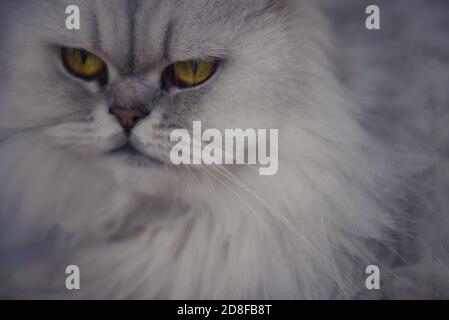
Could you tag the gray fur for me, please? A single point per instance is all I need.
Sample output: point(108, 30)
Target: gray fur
point(357, 157)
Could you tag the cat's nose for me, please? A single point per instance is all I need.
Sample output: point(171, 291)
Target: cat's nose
point(128, 117)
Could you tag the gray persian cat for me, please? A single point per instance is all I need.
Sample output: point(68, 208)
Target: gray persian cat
point(86, 177)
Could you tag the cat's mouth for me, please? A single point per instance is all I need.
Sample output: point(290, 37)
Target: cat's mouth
point(134, 156)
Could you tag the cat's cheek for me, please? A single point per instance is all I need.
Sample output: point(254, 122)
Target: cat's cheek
point(96, 134)
point(105, 130)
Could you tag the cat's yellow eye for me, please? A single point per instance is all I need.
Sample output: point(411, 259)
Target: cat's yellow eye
point(83, 64)
point(193, 72)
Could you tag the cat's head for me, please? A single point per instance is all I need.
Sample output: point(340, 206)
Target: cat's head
point(137, 70)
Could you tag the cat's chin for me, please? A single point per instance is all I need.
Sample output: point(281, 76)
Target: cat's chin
point(138, 172)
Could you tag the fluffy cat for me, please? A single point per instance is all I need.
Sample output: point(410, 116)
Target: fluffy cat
point(349, 191)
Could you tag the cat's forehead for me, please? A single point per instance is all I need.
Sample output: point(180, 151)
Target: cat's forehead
point(177, 29)
point(141, 32)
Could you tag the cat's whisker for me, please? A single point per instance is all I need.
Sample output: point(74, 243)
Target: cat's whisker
point(24, 131)
point(199, 145)
point(282, 218)
point(239, 182)
point(325, 140)
point(193, 175)
point(263, 223)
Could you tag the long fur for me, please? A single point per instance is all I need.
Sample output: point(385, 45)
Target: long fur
point(350, 191)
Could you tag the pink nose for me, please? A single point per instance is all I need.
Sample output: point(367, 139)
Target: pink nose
point(128, 117)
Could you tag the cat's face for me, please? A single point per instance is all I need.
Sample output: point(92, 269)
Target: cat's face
point(139, 57)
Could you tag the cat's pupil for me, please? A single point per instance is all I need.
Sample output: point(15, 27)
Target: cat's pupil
point(195, 66)
point(84, 56)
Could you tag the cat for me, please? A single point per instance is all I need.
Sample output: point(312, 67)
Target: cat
point(80, 188)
